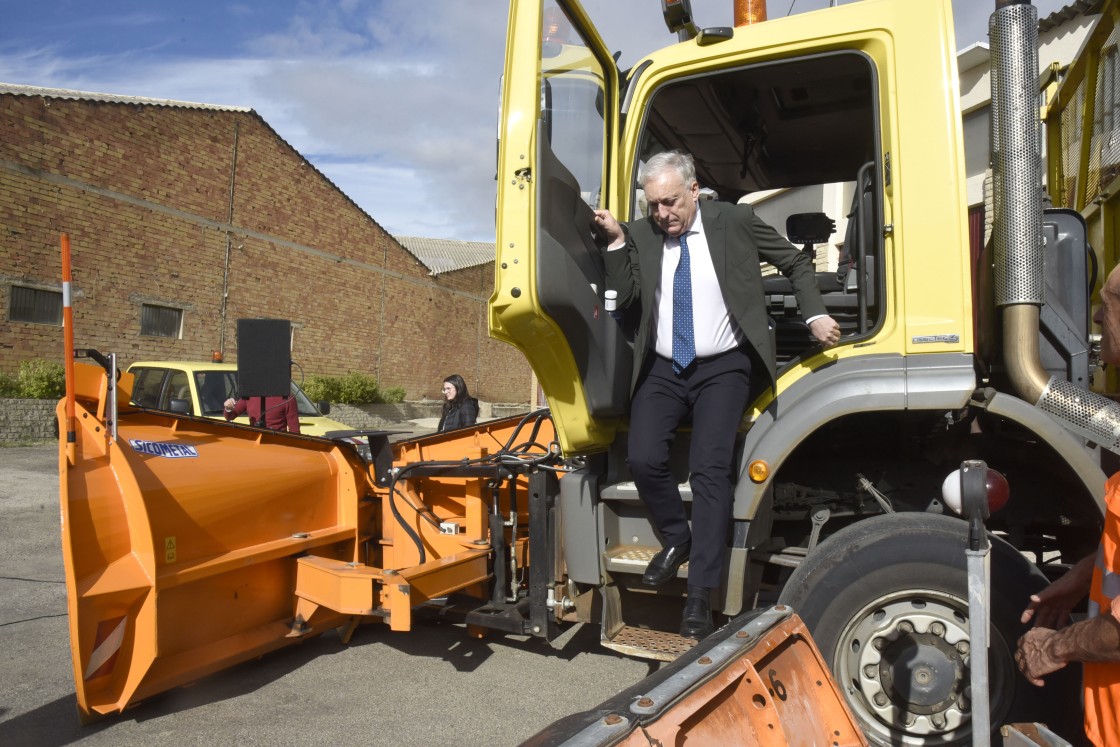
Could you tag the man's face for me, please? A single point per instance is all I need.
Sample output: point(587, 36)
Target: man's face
point(672, 203)
point(1108, 316)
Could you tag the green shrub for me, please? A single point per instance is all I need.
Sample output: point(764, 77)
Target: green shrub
point(37, 379)
point(9, 386)
point(359, 389)
point(322, 387)
point(41, 379)
point(352, 389)
point(393, 395)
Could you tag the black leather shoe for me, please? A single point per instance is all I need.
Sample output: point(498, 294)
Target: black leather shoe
point(696, 622)
point(665, 564)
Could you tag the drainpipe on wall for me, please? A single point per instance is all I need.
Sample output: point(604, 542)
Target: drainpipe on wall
point(381, 312)
point(229, 245)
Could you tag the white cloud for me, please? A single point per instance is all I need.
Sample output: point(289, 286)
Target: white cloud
point(395, 102)
point(396, 197)
point(400, 96)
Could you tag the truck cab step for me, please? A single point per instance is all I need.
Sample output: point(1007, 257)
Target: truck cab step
point(645, 643)
point(634, 559)
point(628, 492)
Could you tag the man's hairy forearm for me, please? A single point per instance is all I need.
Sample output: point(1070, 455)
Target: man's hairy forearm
point(1096, 639)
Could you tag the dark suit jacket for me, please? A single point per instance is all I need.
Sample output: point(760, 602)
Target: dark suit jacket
point(738, 240)
point(459, 415)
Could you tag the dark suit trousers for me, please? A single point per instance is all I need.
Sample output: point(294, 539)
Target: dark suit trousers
point(714, 391)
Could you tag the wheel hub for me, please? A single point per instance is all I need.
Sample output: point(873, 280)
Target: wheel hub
point(922, 672)
point(905, 664)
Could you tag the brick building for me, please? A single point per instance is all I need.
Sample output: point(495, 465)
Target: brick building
point(184, 218)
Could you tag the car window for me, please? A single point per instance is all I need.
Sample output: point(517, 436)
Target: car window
point(177, 388)
point(146, 388)
point(214, 388)
point(156, 387)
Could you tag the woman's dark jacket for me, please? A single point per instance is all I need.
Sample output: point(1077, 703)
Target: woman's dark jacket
point(460, 414)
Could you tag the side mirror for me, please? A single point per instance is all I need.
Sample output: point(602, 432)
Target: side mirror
point(323, 406)
point(181, 406)
point(809, 228)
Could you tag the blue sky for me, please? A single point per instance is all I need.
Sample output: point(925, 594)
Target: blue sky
point(394, 100)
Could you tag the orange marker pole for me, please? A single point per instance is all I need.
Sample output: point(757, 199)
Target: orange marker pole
point(68, 353)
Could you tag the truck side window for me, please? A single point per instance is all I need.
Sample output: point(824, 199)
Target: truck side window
point(214, 388)
point(572, 90)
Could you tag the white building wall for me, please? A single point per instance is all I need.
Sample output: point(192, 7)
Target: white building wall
point(1057, 46)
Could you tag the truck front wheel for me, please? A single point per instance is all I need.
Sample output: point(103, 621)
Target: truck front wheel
point(886, 600)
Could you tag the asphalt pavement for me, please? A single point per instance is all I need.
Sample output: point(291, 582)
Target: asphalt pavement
point(431, 686)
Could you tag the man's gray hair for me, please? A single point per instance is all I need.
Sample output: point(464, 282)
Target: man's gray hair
point(670, 160)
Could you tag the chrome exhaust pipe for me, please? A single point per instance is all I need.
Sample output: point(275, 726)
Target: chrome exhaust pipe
point(1017, 206)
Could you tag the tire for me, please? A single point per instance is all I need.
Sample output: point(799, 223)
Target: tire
point(886, 600)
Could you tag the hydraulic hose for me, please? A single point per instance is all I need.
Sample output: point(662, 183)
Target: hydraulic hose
point(506, 456)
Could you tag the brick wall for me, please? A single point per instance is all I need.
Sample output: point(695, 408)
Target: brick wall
point(173, 206)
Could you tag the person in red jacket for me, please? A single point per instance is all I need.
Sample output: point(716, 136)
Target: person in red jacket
point(280, 413)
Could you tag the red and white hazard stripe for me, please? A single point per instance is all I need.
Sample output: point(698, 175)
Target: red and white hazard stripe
point(106, 645)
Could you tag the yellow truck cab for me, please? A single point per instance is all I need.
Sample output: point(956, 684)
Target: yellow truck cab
point(837, 507)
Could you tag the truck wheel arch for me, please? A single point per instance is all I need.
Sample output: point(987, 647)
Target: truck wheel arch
point(869, 383)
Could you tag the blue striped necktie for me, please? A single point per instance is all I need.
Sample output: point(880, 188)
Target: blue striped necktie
point(684, 338)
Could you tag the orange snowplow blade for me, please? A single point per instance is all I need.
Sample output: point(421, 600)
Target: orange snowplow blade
point(178, 539)
point(191, 545)
point(758, 681)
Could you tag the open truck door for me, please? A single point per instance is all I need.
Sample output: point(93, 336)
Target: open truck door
point(557, 138)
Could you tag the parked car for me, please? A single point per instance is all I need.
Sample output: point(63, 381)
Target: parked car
point(201, 389)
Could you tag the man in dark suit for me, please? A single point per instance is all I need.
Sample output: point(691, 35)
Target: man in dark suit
point(694, 269)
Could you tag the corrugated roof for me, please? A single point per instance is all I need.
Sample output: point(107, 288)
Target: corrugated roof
point(1069, 12)
point(447, 255)
point(978, 53)
point(111, 98)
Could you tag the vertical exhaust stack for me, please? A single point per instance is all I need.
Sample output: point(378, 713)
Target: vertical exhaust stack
point(1019, 265)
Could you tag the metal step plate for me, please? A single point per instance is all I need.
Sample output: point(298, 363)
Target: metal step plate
point(644, 643)
point(628, 491)
point(634, 559)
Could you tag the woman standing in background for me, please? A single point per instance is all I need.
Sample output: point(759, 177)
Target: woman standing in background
point(460, 409)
